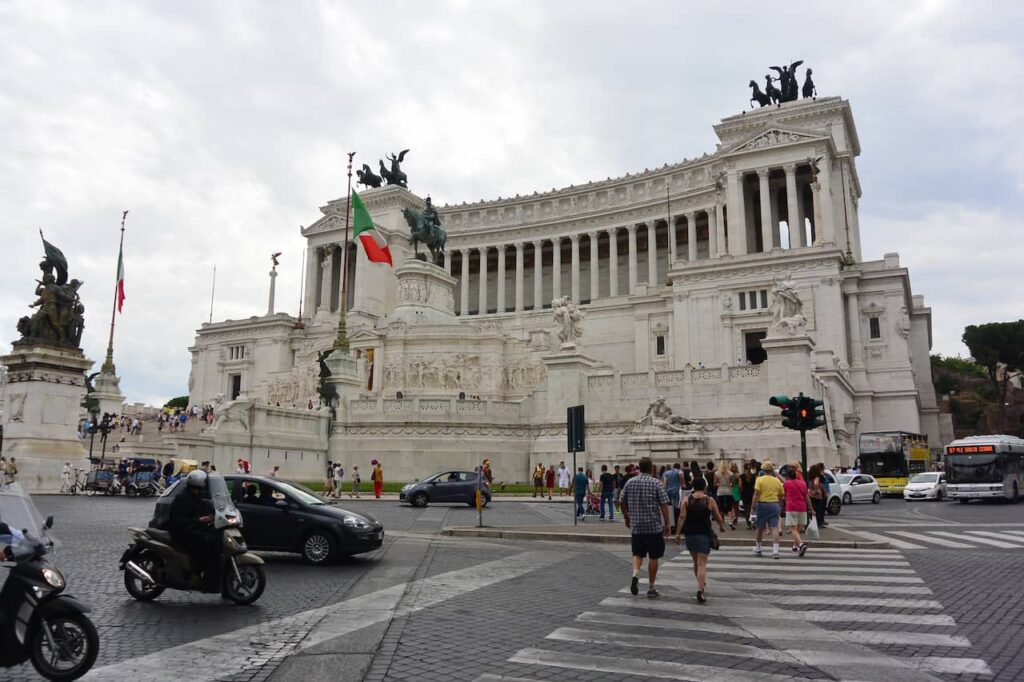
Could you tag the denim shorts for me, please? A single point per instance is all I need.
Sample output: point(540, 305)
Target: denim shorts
point(701, 544)
point(767, 515)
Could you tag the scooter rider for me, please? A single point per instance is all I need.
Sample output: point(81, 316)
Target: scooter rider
point(191, 527)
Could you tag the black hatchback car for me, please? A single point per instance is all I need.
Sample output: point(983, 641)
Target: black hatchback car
point(453, 485)
point(279, 516)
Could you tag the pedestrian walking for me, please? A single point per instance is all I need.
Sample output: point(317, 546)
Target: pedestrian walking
point(356, 481)
point(765, 507)
point(817, 492)
point(339, 479)
point(607, 482)
point(695, 523)
point(620, 480)
point(11, 471)
point(709, 476)
point(563, 479)
point(486, 471)
point(377, 476)
point(723, 491)
point(581, 488)
point(644, 505)
point(538, 480)
point(549, 481)
point(672, 481)
point(329, 481)
point(747, 479)
point(65, 478)
point(272, 474)
point(797, 503)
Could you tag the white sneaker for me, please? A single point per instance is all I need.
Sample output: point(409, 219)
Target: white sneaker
point(757, 551)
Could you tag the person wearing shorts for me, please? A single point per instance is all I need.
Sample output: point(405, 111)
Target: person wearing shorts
point(644, 505)
point(797, 503)
point(768, 492)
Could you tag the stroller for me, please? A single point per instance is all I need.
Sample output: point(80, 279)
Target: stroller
point(591, 506)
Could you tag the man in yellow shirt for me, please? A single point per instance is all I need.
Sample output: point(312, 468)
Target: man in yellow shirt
point(766, 507)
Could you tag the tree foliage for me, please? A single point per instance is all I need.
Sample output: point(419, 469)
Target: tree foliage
point(999, 348)
point(180, 401)
point(959, 365)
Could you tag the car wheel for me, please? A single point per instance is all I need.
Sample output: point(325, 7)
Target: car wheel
point(834, 506)
point(876, 498)
point(962, 500)
point(847, 498)
point(938, 496)
point(318, 548)
point(486, 500)
point(419, 500)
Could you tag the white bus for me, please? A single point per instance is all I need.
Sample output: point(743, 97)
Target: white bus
point(981, 467)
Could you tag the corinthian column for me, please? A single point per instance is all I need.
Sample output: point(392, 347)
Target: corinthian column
point(501, 278)
point(574, 241)
point(481, 308)
point(712, 233)
point(767, 229)
point(737, 214)
point(595, 282)
point(793, 219)
point(519, 276)
point(691, 235)
point(613, 261)
point(631, 231)
point(556, 268)
point(538, 272)
point(652, 253)
point(672, 246)
point(464, 294)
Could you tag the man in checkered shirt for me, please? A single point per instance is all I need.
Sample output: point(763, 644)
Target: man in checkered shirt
point(644, 505)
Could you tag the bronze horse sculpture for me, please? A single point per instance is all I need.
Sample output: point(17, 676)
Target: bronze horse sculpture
point(425, 228)
point(758, 96)
point(395, 176)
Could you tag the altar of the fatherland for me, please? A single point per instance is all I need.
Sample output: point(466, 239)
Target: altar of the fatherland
point(710, 283)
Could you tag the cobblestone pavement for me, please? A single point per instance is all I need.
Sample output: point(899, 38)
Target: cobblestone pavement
point(427, 607)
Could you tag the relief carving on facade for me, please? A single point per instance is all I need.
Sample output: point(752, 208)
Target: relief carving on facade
point(462, 372)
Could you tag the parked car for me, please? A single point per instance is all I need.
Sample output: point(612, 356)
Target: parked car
point(859, 488)
point(450, 486)
point(930, 485)
point(834, 503)
point(279, 516)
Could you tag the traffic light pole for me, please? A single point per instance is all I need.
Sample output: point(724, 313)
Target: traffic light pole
point(803, 451)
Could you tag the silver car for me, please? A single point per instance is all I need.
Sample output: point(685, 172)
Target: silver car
point(930, 485)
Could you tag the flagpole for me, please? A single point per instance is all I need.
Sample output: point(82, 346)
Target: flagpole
point(213, 289)
point(341, 342)
point(108, 364)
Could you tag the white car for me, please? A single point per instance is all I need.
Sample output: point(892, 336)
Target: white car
point(930, 485)
point(859, 488)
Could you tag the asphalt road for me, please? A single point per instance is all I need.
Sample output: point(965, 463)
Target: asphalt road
point(430, 607)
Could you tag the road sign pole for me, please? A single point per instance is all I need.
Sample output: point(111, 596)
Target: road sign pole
point(803, 451)
point(572, 487)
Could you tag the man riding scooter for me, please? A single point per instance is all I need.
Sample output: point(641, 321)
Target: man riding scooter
point(191, 528)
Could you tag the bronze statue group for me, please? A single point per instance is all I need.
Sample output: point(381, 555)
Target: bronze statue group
point(788, 89)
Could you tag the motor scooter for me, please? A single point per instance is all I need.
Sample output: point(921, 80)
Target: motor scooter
point(152, 563)
point(38, 620)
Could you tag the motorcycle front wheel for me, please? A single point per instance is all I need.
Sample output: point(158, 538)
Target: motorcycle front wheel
point(253, 582)
point(64, 646)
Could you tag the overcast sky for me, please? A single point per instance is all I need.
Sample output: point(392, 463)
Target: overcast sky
point(223, 126)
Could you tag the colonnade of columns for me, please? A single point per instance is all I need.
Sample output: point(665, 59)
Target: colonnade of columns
point(328, 293)
point(541, 262)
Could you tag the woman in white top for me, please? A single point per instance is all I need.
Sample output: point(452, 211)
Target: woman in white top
point(339, 475)
point(723, 493)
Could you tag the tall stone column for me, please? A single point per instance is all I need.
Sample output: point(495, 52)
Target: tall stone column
point(538, 275)
point(574, 242)
point(793, 217)
point(827, 232)
point(767, 229)
point(273, 287)
point(519, 276)
point(631, 231)
point(556, 268)
point(737, 214)
point(723, 243)
point(652, 253)
point(671, 242)
point(482, 296)
point(712, 233)
point(325, 280)
point(464, 285)
point(691, 234)
point(501, 278)
point(613, 261)
point(595, 280)
point(853, 321)
point(447, 268)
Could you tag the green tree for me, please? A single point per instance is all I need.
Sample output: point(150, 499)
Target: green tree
point(181, 401)
point(999, 348)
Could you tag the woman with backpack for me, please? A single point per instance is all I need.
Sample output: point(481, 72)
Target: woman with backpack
point(695, 523)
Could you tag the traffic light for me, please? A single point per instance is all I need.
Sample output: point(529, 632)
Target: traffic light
point(812, 413)
point(789, 410)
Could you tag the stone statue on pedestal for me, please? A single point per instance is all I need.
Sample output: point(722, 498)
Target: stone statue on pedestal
point(659, 416)
point(568, 321)
point(787, 309)
point(60, 318)
point(425, 227)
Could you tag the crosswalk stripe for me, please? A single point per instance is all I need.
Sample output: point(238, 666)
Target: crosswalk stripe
point(645, 641)
point(830, 577)
point(616, 618)
point(953, 666)
point(811, 587)
point(637, 666)
point(749, 611)
point(1001, 536)
point(901, 544)
point(933, 540)
point(867, 553)
point(812, 558)
point(1015, 532)
point(813, 554)
point(799, 565)
point(490, 677)
point(974, 538)
point(895, 603)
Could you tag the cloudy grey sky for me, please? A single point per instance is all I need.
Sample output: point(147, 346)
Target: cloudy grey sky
point(222, 126)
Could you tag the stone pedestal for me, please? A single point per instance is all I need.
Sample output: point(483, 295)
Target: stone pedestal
point(789, 363)
point(344, 373)
point(424, 294)
point(567, 372)
point(108, 393)
point(665, 447)
point(43, 402)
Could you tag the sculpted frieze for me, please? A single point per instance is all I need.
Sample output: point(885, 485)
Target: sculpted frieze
point(461, 372)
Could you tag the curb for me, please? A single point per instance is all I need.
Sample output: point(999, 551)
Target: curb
point(625, 539)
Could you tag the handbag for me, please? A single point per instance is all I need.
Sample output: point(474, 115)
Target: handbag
point(812, 531)
point(736, 491)
point(714, 540)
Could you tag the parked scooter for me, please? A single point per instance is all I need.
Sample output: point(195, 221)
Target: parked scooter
point(38, 621)
point(153, 563)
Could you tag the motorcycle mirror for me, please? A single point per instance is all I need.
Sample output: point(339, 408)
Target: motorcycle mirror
point(49, 523)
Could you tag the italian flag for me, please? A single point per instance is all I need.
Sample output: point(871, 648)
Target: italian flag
point(119, 290)
point(374, 244)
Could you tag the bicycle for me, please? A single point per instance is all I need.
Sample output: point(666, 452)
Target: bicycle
point(77, 486)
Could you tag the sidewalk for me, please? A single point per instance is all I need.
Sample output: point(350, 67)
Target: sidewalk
point(596, 531)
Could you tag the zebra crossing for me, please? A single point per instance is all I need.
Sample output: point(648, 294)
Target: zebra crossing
point(931, 537)
point(842, 613)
